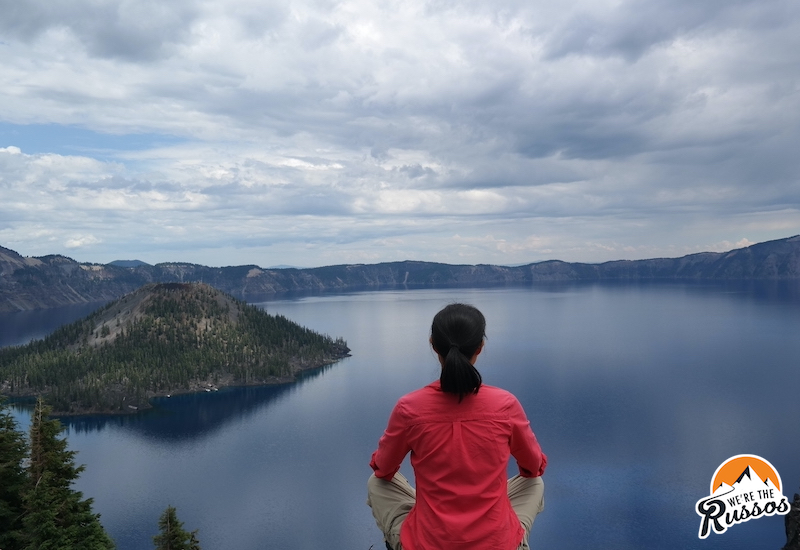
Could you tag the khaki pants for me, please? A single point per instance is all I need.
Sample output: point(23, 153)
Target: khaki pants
point(391, 501)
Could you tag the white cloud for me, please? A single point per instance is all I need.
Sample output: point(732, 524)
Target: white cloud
point(81, 241)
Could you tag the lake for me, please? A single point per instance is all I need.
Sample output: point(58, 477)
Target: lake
point(636, 392)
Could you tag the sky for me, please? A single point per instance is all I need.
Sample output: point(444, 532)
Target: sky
point(316, 132)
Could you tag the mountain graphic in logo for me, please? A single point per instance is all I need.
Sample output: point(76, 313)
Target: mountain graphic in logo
point(744, 487)
point(746, 482)
point(732, 469)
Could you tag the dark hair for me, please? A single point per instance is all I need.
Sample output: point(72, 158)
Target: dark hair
point(457, 333)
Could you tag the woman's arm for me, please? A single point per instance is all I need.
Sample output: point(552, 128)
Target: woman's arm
point(392, 446)
point(524, 446)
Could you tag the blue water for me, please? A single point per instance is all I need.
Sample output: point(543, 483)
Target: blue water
point(636, 392)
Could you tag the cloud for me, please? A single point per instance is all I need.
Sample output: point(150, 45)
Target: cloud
point(129, 30)
point(586, 131)
point(81, 241)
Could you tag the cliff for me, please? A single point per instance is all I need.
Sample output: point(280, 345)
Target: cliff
point(50, 281)
point(792, 523)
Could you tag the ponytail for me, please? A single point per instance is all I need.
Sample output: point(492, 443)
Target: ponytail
point(457, 334)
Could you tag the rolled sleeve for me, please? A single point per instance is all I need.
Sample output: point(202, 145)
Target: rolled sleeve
point(524, 446)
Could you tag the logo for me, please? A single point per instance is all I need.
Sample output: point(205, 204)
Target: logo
point(744, 487)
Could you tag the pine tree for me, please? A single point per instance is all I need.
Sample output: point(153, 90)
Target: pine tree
point(13, 450)
point(172, 536)
point(57, 516)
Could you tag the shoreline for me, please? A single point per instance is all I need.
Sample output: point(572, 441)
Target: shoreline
point(195, 387)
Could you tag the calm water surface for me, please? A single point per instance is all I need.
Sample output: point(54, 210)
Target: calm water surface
point(636, 392)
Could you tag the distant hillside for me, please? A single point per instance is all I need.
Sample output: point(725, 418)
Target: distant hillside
point(128, 263)
point(162, 339)
point(49, 281)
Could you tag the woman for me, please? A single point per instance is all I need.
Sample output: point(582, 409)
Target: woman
point(460, 434)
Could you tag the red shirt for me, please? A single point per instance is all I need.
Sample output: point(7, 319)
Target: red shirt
point(459, 452)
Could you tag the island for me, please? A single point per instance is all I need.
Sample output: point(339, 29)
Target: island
point(161, 340)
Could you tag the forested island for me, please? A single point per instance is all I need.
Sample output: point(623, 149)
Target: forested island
point(162, 339)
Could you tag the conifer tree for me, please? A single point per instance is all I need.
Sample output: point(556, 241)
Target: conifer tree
point(56, 515)
point(172, 535)
point(13, 450)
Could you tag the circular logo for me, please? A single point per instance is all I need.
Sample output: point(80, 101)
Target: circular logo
point(744, 487)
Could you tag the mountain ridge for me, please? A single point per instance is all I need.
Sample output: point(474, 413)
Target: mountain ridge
point(54, 280)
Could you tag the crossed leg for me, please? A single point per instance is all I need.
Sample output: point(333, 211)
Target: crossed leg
point(391, 501)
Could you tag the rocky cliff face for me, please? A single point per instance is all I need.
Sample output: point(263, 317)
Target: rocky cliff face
point(50, 281)
point(792, 522)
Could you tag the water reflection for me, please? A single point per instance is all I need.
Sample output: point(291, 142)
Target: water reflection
point(20, 327)
point(193, 416)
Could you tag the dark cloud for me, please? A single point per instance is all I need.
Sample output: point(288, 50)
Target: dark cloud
point(417, 171)
point(140, 30)
point(632, 28)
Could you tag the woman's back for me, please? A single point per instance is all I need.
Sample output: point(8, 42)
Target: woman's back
point(460, 452)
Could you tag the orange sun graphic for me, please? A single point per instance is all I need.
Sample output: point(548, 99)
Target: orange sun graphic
point(730, 470)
